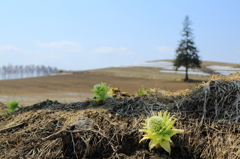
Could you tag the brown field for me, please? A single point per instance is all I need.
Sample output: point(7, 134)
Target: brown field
point(76, 86)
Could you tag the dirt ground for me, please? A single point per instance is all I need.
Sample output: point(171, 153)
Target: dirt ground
point(76, 86)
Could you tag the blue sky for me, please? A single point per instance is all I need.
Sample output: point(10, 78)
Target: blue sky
point(90, 34)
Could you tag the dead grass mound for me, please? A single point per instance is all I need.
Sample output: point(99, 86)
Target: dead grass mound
point(208, 113)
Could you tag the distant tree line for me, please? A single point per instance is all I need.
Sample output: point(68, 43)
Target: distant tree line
point(19, 71)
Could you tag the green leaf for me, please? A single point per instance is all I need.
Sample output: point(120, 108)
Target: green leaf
point(165, 145)
point(13, 105)
point(100, 92)
point(152, 144)
point(167, 137)
point(173, 132)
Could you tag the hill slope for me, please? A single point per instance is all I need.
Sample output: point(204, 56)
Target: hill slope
point(76, 85)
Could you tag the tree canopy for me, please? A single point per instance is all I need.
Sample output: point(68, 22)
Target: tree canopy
point(187, 53)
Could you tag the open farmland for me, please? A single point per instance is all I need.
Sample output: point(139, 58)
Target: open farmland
point(75, 86)
point(208, 114)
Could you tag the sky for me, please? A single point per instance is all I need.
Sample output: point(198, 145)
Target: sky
point(91, 34)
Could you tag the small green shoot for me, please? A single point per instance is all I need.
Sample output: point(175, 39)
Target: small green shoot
point(100, 92)
point(143, 92)
point(48, 102)
point(12, 106)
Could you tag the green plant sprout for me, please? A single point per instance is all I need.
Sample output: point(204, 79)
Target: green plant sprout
point(12, 106)
point(158, 129)
point(143, 91)
point(48, 102)
point(100, 92)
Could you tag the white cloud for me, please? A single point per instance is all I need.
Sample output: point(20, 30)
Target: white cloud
point(165, 49)
point(122, 48)
point(104, 49)
point(111, 50)
point(4, 48)
point(68, 46)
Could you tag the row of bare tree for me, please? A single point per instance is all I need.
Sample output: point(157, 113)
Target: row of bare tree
point(19, 71)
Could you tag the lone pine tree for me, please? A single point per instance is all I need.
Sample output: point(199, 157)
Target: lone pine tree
point(187, 53)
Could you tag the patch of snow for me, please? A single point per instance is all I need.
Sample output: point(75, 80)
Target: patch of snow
point(226, 68)
point(192, 73)
point(156, 64)
point(54, 74)
point(167, 66)
point(223, 70)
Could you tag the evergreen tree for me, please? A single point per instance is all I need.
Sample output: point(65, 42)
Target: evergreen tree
point(187, 53)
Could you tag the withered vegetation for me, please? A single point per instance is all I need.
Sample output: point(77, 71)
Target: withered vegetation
point(208, 113)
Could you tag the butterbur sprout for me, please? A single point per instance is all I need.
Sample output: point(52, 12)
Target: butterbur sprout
point(100, 92)
point(158, 129)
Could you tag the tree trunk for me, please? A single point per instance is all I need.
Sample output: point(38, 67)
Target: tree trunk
point(186, 77)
